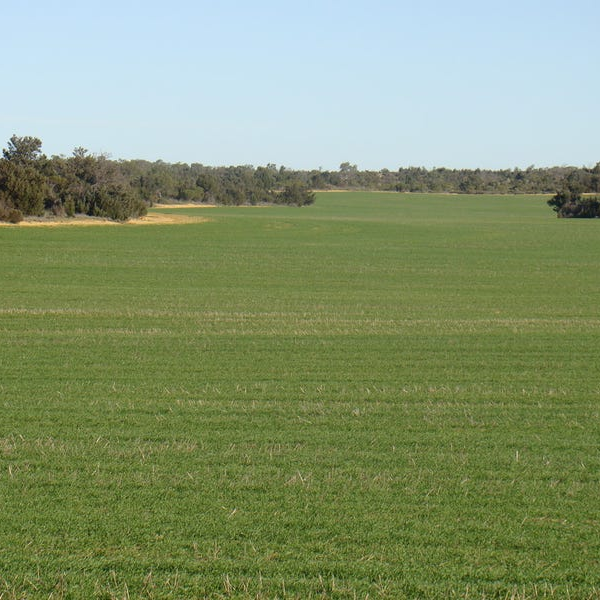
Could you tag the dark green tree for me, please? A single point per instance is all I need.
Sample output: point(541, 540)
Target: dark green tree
point(296, 194)
point(569, 202)
point(23, 150)
point(23, 186)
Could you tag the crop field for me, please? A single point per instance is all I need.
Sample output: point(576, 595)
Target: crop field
point(378, 396)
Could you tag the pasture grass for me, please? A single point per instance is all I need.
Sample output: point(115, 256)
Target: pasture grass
point(379, 396)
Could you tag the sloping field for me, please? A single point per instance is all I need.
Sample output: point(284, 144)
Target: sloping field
point(381, 395)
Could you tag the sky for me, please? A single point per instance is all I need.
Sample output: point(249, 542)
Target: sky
point(307, 84)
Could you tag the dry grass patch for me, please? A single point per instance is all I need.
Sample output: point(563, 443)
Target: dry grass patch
point(183, 205)
point(167, 219)
point(84, 221)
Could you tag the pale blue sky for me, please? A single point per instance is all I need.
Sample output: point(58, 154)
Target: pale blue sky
point(307, 84)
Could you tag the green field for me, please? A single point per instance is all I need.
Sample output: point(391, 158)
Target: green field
point(381, 395)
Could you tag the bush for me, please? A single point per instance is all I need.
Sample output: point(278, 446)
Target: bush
point(15, 216)
point(9, 213)
point(296, 194)
point(69, 205)
point(570, 204)
point(24, 186)
point(115, 203)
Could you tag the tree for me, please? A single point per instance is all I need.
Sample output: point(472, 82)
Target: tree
point(595, 178)
point(23, 186)
point(569, 202)
point(23, 150)
point(297, 194)
point(348, 173)
point(96, 186)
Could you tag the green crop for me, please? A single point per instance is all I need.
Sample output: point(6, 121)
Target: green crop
point(381, 395)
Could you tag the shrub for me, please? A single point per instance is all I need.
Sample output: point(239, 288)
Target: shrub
point(8, 213)
point(115, 203)
point(569, 203)
point(15, 216)
point(296, 194)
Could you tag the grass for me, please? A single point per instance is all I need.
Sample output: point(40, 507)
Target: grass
point(382, 396)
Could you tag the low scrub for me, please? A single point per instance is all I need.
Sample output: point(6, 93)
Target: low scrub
point(10, 214)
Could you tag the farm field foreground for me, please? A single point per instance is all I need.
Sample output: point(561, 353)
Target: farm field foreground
point(381, 395)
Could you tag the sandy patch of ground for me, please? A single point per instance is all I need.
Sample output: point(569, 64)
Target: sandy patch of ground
point(151, 219)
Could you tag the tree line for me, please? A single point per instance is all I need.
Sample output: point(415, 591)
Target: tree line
point(200, 183)
point(531, 180)
point(33, 184)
